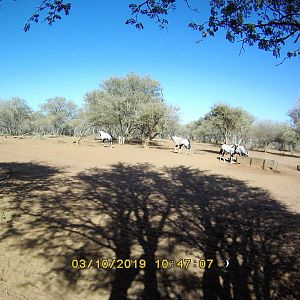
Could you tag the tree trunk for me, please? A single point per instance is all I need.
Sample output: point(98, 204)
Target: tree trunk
point(81, 136)
point(145, 143)
point(150, 277)
point(78, 140)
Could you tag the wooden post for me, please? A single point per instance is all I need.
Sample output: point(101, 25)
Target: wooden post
point(121, 140)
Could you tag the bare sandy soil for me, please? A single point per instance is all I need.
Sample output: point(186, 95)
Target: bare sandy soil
point(62, 202)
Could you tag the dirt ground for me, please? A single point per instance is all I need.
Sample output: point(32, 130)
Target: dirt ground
point(62, 202)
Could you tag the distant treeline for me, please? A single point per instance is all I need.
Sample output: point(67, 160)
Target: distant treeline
point(133, 107)
point(235, 125)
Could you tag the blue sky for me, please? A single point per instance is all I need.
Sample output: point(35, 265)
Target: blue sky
point(93, 43)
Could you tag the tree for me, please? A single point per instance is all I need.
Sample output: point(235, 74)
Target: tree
point(60, 112)
point(294, 114)
point(115, 105)
point(81, 125)
point(223, 124)
point(155, 117)
point(53, 9)
point(188, 130)
point(287, 138)
point(232, 123)
point(268, 23)
point(265, 132)
point(244, 121)
point(207, 132)
point(13, 115)
point(41, 124)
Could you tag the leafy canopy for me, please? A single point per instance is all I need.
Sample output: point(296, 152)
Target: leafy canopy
point(53, 10)
point(232, 123)
point(269, 24)
point(13, 113)
point(128, 104)
point(60, 112)
point(294, 115)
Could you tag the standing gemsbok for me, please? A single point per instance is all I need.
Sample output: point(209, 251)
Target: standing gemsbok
point(105, 137)
point(179, 142)
point(227, 149)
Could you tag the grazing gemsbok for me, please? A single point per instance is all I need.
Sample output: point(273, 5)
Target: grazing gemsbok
point(232, 150)
point(241, 150)
point(227, 149)
point(105, 137)
point(179, 142)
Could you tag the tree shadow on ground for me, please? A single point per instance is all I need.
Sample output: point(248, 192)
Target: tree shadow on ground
point(211, 151)
point(151, 144)
point(144, 214)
